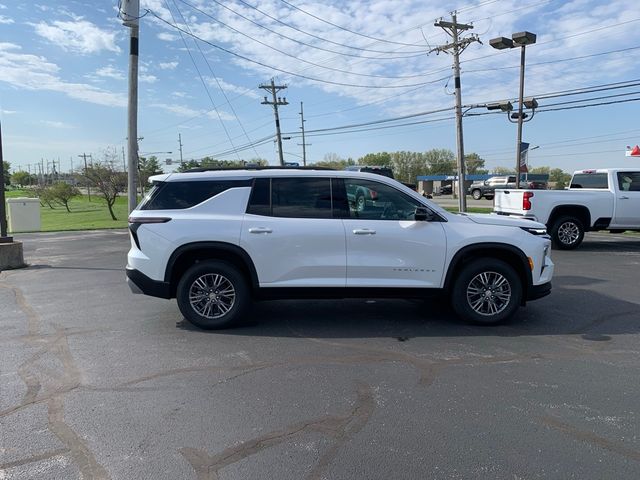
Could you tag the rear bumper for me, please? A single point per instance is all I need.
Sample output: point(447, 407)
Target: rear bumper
point(539, 291)
point(139, 283)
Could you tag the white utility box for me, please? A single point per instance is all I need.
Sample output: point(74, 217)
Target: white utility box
point(24, 214)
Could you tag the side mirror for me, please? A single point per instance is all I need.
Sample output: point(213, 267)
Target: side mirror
point(423, 214)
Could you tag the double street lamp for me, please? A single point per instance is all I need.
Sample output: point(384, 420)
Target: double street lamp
point(521, 39)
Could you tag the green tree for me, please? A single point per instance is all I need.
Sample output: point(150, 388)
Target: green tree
point(7, 172)
point(440, 161)
point(188, 165)
point(540, 170)
point(381, 159)
point(21, 178)
point(559, 178)
point(333, 161)
point(502, 171)
point(62, 192)
point(147, 167)
point(45, 195)
point(107, 180)
point(474, 164)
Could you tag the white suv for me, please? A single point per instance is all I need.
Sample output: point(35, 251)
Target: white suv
point(217, 240)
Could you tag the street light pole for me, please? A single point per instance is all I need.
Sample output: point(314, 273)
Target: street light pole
point(522, 39)
point(520, 119)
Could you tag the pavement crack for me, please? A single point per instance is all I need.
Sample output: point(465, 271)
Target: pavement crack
point(33, 459)
point(591, 438)
point(90, 469)
point(339, 427)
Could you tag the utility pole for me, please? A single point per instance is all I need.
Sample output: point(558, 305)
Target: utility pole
point(84, 156)
point(180, 143)
point(274, 89)
point(3, 214)
point(124, 161)
point(130, 15)
point(457, 46)
point(304, 144)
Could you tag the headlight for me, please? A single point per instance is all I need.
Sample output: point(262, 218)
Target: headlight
point(535, 231)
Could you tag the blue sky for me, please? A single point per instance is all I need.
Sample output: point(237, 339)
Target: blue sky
point(63, 78)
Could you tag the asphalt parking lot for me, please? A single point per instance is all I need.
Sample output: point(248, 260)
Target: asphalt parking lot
point(97, 383)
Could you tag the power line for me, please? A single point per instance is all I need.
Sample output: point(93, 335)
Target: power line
point(396, 56)
point(381, 40)
point(204, 84)
point(302, 59)
point(313, 79)
point(217, 82)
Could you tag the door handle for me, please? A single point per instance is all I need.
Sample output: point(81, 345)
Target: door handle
point(260, 230)
point(624, 197)
point(364, 231)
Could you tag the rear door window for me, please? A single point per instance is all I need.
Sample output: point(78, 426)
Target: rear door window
point(292, 197)
point(629, 181)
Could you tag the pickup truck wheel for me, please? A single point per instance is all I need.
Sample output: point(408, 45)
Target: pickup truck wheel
point(487, 291)
point(213, 295)
point(567, 233)
point(360, 202)
point(476, 194)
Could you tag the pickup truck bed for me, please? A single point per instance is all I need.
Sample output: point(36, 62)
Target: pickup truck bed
point(604, 199)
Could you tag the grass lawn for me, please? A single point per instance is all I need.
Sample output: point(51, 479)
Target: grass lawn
point(470, 209)
point(84, 215)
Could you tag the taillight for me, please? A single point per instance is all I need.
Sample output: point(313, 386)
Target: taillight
point(374, 194)
point(526, 203)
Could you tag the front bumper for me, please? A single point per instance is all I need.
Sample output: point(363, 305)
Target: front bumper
point(538, 291)
point(139, 283)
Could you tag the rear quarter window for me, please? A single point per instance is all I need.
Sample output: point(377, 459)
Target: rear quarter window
point(181, 195)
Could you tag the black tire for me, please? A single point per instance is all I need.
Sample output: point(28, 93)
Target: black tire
point(486, 292)
point(476, 194)
point(213, 295)
point(489, 197)
point(567, 233)
point(360, 202)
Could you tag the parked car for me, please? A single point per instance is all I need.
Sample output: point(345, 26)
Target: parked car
point(219, 240)
point(487, 188)
point(600, 199)
point(445, 190)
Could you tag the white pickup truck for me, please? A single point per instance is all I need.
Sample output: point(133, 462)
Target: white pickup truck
point(601, 199)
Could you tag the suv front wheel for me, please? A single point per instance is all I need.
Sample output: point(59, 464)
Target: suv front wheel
point(213, 294)
point(486, 291)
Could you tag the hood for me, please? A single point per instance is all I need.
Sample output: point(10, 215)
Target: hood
point(502, 220)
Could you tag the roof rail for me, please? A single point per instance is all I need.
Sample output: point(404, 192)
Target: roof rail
point(251, 167)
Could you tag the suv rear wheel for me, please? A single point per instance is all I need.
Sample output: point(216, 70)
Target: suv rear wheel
point(213, 294)
point(486, 291)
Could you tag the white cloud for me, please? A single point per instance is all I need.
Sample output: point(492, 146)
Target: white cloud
point(55, 124)
point(178, 109)
point(78, 36)
point(147, 78)
point(9, 112)
point(110, 72)
point(167, 37)
point(168, 65)
point(229, 87)
point(6, 20)
point(32, 72)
